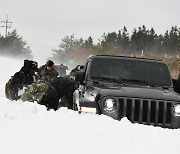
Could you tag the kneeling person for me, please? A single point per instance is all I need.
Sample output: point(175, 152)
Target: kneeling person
point(43, 93)
point(21, 79)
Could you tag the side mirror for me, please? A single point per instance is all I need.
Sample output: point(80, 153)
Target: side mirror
point(81, 67)
point(79, 76)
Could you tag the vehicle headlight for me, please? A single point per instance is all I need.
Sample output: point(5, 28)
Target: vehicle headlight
point(176, 110)
point(110, 105)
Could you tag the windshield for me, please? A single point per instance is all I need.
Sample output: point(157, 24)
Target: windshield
point(128, 70)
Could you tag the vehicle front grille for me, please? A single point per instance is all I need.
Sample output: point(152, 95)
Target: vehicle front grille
point(146, 111)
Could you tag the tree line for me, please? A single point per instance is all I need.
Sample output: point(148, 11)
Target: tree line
point(141, 41)
point(75, 50)
point(14, 46)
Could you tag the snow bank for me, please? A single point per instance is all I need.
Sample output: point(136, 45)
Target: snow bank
point(27, 128)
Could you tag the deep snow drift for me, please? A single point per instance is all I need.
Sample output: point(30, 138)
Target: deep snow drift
point(27, 128)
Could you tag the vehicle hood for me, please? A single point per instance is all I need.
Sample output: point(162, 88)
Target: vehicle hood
point(138, 92)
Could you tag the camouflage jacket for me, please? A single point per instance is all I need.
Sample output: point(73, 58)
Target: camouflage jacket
point(47, 75)
point(35, 91)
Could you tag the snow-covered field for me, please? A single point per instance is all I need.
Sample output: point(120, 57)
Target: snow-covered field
point(27, 128)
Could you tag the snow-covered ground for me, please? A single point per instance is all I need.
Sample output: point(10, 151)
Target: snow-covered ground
point(27, 128)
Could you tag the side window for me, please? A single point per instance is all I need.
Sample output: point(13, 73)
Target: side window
point(86, 68)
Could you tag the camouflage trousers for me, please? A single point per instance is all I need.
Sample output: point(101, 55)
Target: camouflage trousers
point(11, 91)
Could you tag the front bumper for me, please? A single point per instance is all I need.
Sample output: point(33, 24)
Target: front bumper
point(137, 110)
point(86, 105)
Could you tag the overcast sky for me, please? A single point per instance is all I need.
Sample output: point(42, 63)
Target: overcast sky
point(43, 23)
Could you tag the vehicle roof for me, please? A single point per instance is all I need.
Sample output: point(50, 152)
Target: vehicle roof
point(128, 57)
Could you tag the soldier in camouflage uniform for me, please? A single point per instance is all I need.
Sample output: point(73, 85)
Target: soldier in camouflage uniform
point(22, 78)
point(14, 85)
point(35, 91)
point(43, 93)
point(76, 69)
point(65, 87)
point(47, 72)
point(49, 93)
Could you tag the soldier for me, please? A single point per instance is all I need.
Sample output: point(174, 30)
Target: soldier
point(21, 79)
point(65, 88)
point(47, 71)
point(49, 93)
point(43, 93)
point(62, 70)
point(76, 69)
